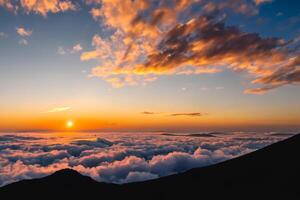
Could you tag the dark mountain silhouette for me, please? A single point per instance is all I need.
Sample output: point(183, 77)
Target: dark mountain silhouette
point(269, 173)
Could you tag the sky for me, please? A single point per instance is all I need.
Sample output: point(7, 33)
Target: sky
point(172, 65)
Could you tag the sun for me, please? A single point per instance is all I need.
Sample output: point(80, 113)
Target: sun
point(70, 124)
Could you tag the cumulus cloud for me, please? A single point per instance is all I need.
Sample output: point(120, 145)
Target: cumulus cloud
point(76, 48)
point(165, 38)
point(23, 32)
point(119, 157)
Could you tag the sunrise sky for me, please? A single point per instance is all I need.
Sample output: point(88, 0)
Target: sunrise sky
point(177, 65)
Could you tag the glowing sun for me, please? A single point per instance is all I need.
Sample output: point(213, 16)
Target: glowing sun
point(70, 124)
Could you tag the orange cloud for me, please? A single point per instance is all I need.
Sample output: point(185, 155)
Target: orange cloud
point(258, 2)
point(150, 40)
point(42, 7)
point(45, 6)
point(23, 32)
point(289, 73)
point(7, 4)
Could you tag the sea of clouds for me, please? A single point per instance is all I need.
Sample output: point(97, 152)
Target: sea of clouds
point(120, 157)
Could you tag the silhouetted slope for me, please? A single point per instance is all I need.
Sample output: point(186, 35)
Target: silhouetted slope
point(270, 173)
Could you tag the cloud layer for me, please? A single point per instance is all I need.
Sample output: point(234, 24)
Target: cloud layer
point(120, 157)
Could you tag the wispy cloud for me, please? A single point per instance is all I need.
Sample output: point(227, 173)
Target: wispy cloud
point(75, 49)
point(58, 109)
point(61, 51)
point(7, 4)
point(258, 2)
point(3, 35)
point(23, 41)
point(192, 114)
point(219, 88)
point(149, 113)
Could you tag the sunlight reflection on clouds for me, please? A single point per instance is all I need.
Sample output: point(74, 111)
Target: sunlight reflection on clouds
point(120, 157)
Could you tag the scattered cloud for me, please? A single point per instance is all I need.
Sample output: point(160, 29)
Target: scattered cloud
point(58, 109)
point(184, 89)
point(23, 32)
point(258, 2)
point(8, 4)
point(42, 7)
point(193, 114)
point(3, 35)
point(23, 41)
point(149, 113)
point(220, 88)
point(61, 51)
point(153, 39)
point(24, 35)
point(75, 49)
point(204, 88)
point(279, 14)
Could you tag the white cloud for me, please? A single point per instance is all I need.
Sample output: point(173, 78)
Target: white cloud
point(75, 49)
point(119, 157)
point(57, 109)
point(23, 41)
point(61, 51)
point(3, 35)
